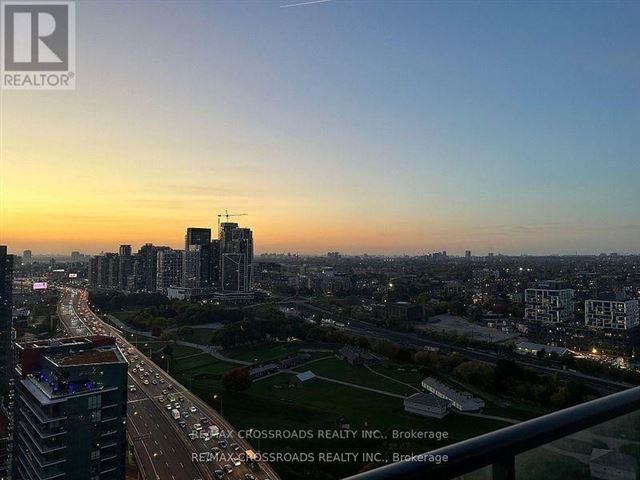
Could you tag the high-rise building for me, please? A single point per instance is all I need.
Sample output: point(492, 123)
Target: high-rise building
point(467, 254)
point(71, 407)
point(113, 275)
point(550, 302)
point(93, 271)
point(197, 260)
point(6, 331)
point(611, 314)
point(76, 257)
point(147, 267)
point(27, 257)
point(103, 271)
point(125, 268)
point(197, 236)
point(236, 258)
point(169, 269)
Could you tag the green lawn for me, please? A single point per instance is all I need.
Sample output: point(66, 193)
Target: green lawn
point(357, 374)
point(272, 351)
point(201, 336)
point(272, 404)
point(199, 364)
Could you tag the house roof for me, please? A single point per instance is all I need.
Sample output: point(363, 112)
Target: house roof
point(304, 376)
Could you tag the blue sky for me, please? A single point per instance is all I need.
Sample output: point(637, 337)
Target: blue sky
point(511, 126)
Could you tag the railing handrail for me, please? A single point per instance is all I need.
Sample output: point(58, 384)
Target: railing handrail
point(502, 445)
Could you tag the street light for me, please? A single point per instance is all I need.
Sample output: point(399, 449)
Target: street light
point(215, 397)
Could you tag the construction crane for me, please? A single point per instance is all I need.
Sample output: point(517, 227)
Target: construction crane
point(226, 215)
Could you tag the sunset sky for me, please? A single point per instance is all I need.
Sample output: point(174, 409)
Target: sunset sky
point(358, 126)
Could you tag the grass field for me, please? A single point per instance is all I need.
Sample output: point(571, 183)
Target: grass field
point(272, 351)
point(356, 374)
point(271, 403)
point(201, 336)
point(199, 363)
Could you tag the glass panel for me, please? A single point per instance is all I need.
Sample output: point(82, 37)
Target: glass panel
point(609, 451)
point(481, 474)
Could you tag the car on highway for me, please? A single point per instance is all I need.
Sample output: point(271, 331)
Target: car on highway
point(162, 380)
point(169, 406)
point(193, 409)
point(146, 382)
point(227, 468)
point(223, 444)
point(161, 399)
point(236, 461)
point(132, 388)
point(218, 474)
point(235, 446)
point(197, 427)
point(154, 382)
point(185, 414)
point(182, 424)
point(249, 476)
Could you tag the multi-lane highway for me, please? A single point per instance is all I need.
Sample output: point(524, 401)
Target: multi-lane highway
point(168, 426)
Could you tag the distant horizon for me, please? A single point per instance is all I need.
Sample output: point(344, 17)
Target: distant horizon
point(453, 254)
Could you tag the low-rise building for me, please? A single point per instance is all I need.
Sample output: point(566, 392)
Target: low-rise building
point(427, 405)
point(463, 401)
point(358, 357)
point(397, 311)
point(530, 348)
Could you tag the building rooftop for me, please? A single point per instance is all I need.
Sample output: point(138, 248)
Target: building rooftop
point(304, 376)
point(87, 357)
point(428, 399)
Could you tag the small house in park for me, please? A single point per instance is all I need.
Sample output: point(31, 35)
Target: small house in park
point(304, 377)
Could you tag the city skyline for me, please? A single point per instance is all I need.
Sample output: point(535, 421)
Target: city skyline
point(360, 127)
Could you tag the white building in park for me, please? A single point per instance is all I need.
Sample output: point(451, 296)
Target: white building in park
point(463, 401)
point(427, 405)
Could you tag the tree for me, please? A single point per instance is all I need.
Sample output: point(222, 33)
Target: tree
point(237, 380)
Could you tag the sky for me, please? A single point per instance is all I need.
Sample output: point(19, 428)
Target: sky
point(386, 127)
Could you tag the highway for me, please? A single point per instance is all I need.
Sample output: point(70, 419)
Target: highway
point(167, 448)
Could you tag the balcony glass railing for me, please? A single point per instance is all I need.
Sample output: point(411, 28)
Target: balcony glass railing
point(597, 439)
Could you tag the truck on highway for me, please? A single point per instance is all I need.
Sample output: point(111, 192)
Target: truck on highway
point(175, 414)
point(213, 431)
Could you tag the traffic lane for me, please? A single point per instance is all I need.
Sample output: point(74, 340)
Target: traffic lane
point(199, 444)
point(194, 418)
point(151, 410)
point(148, 412)
point(160, 441)
point(209, 412)
point(161, 454)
